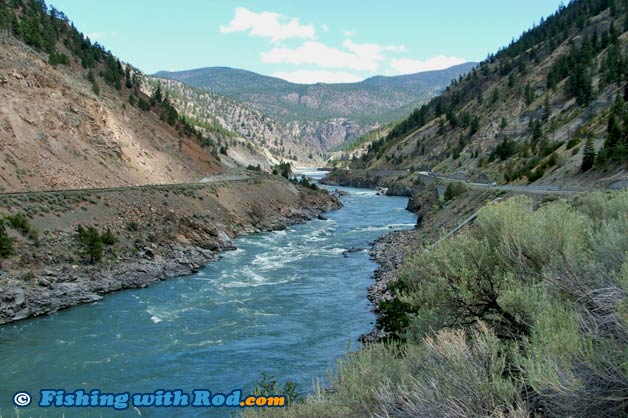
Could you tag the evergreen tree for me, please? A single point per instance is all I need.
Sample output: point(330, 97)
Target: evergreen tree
point(547, 109)
point(580, 85)
point(528, 94)
point(128, 83)
point(143, 104)
point(588, 158)
point(157, 96)
point(441, 127)
point(108, 238)
point(6, 243)
point(90, 243)
point(601, 160)
point(616, 142)
point(615, 135)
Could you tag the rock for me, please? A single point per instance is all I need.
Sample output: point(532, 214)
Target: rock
point(49, 273)
point(19, 297)
point(351, 250)
point(43, 282)
point(322, 218)
point(152, 262)
point(225, 241)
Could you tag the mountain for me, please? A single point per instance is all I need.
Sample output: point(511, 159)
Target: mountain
point(319, 101)
point(321, 115)
point(548, 108)
point(220, 117)
point(73, 116)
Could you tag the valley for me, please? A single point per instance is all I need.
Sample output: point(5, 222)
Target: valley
point(323, 116)
point(425, 243)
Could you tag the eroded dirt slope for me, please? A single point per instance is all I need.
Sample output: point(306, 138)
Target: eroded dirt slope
point(56, 133)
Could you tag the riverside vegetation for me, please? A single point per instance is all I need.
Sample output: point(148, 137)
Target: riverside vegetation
point(60, 249)
point(523, 314)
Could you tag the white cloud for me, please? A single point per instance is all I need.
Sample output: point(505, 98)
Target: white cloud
point(319, 76)
point(349, 33)
point(102, 36)
point(325, 28)
point(360, 57)
point(374, 52)
point(410, 66)
point(268, 25)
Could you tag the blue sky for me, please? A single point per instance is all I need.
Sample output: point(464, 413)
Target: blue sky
point(304, 41)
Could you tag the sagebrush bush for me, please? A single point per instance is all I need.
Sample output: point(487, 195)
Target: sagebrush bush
point(523, 314)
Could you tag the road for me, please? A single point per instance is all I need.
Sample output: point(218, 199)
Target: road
point(217, 179)
point(543, 189)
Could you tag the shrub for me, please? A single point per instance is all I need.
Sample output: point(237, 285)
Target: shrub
point(268, 386)
point(525, 314)
point(108, 238)
point(92, 242)
point(143, 104)
point(6, 243)
point(19, 222)
point(454, 189)
point(284, 169)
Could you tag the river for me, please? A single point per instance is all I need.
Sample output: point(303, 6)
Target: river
point(288, 303)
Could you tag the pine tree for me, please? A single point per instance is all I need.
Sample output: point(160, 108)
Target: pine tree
point(6, 243)
point(529, 94)
point(90, 242)
point(588, 159)
point(615, 143)
point(580, 85)
point(157, 96)
point(601, 160)
point(547, 109)
point(127, 78)
point(441, 126)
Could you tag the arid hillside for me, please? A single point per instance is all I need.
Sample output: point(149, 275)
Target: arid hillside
point(56, 133)
point(72, 116)
point(549, 108)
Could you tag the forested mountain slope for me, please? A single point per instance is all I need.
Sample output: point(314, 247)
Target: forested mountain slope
point(550, 107)
point(220, 117)
point(323, 116)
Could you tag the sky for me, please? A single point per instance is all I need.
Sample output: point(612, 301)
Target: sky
point(304, 41)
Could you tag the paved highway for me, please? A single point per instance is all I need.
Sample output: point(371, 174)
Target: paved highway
point(507, 187)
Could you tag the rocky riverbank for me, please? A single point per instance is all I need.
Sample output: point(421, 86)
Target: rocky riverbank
point(397, 182)
point(160, 234)
point(388, 252)
point(435, 218)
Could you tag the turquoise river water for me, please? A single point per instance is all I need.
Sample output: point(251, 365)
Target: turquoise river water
point(287, 303)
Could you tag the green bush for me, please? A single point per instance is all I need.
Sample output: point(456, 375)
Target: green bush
point(284, 169)
point(108, 238)
point(19, 222)
point(6, 243)
point(92, 243)
point(553, 281)
point(525, 314)
point(143, 104)
point(454, 190)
